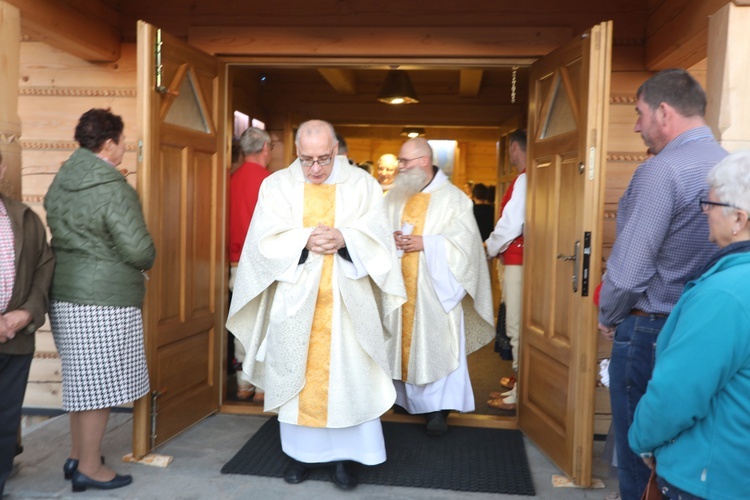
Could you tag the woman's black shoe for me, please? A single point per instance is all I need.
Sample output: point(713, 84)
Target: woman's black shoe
point(81, 482)
point(71, 465)
point(342, 476)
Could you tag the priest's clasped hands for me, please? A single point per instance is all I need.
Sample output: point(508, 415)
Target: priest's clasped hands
point(325, 240)
point(408, 242)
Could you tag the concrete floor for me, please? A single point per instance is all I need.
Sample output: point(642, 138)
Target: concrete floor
point(199, 454)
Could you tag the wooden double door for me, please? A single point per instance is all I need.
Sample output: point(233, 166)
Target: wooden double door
point(183, 120)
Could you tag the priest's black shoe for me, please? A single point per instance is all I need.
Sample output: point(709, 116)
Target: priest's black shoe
point(437, 425)
point(342, 475)
point(295, 472)
point(81, 482)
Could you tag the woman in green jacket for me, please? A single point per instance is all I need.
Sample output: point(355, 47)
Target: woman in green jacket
point(102, 249)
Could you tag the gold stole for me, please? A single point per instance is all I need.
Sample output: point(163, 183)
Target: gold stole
point(415, 213)
point(320, 207)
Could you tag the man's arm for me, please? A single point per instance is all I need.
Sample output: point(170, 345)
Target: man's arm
point(510, 225)
point(29, 316)
point(644, 223)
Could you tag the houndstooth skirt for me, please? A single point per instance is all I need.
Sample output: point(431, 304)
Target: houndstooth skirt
point(102, 354)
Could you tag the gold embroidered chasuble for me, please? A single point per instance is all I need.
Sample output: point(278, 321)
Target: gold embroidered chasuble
point(429, 350)
point(320, 207)
point(415, 212)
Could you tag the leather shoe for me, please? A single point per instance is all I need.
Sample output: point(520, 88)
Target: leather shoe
point(342, 476)
point(295, 472)
point(500, 404)
point(81, 482)
point(70, 466)
point(508, 382)
point(437, 425)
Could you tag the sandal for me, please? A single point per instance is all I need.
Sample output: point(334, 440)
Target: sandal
point(246, 393)
point(499, 405)
point(500, 395)
point(508, 382)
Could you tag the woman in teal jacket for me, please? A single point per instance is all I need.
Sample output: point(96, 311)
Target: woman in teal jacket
point(695, 416)
point(102, 249)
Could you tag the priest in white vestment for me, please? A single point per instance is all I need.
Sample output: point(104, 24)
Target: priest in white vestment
point(449, 310)
point(317, 277)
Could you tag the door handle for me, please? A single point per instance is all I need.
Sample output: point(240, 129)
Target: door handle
point(574, 258)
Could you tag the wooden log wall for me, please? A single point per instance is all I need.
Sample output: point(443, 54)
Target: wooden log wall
point(55, 89)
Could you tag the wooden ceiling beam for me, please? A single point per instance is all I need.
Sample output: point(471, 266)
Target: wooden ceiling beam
point(677, 33)
point(342, 80)
point(470, 81)
point(381, 42)
point(71, 28)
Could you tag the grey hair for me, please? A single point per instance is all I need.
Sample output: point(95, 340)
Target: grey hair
point(677, 88)
point(252, 140)
point(730, 180)
point(312, 127)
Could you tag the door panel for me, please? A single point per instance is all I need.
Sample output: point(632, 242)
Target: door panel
point(181, 181)
point(568, 106)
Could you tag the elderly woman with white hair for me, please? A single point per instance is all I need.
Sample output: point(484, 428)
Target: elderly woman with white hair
point(694, 419)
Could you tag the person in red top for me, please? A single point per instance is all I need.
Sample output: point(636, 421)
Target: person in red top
point(244, 185)
point(507, 241)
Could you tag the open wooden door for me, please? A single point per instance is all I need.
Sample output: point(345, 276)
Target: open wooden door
point(567, 137)
point(181, 179)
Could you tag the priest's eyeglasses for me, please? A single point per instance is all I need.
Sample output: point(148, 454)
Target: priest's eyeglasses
point(308, 161)
point(407, 160)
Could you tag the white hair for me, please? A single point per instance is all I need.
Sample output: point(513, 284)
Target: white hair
point(730, 180)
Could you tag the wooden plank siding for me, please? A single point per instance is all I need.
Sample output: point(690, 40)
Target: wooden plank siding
point(55, 89)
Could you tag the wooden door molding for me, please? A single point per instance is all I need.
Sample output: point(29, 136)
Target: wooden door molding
point(568, 113)
point(181, 180)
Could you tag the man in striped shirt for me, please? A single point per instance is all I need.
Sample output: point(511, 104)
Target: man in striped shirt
point(662, 241)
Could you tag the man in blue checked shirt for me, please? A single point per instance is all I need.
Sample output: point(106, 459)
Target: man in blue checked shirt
point(662, 241)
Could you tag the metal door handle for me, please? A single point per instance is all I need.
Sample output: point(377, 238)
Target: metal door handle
point(574, 258)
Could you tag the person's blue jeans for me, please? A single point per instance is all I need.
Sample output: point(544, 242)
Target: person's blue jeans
point(630, 369)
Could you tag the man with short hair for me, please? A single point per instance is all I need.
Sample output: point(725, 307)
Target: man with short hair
point(506, 241)
point(662, 241)
point(26, 267)
point(316, 278)
point(244, 183)
point(449, 309)
point(344, 150)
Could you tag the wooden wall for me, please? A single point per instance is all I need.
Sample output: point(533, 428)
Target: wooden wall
point(55, 89)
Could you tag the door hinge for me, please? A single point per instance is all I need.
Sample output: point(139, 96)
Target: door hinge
point(159, 68)
point(140, 151)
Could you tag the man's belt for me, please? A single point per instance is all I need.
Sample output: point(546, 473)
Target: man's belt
point(638, 312)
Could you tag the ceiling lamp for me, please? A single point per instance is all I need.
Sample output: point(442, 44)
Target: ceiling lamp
point(412, 132)
point(397, 88)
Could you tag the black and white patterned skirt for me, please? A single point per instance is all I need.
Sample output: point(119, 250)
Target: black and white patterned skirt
point(102, 354)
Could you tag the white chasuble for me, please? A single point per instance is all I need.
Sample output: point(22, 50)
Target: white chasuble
point(313, 331)
point(453, 297)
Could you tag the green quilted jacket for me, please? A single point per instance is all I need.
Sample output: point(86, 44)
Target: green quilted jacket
point(99, 236)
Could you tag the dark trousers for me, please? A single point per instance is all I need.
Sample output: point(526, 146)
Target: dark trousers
point(630, 368)
point(14, 374)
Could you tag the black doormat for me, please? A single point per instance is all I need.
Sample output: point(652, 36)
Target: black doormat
point(465, 459)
